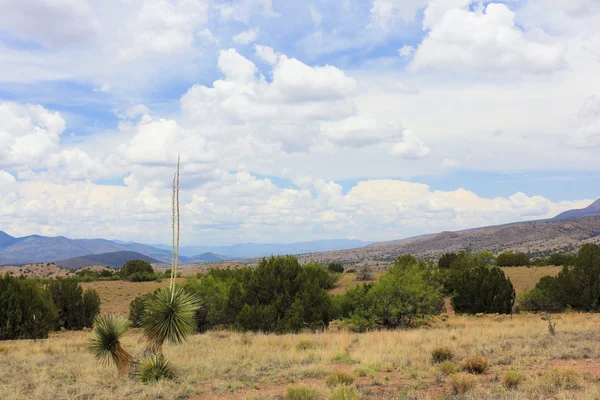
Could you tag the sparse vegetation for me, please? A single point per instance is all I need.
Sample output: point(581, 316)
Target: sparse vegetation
point(440, 354)
point(462, 383)
point(448, 367)
point(154, 368)
point(338, 378)
point(512, 379)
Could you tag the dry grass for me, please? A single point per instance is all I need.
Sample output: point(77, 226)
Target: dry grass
point(524, 278)
point(387, 364)
point(348, 280)
point(115, 296)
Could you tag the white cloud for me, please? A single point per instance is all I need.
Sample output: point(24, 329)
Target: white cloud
point(406, 51)
point(410, 147)
point(246, 37)
point(267, 54)
point(27, 133)
point(316, 16)
point(484, 39)
point(384, 12)
point(54, 23)
point(243, 10)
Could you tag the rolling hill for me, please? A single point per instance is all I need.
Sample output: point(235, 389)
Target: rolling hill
point(114, 259)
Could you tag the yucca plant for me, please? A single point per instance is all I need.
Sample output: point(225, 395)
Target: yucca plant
point(169, 316)
point(170, 313)
point(154, 368)
point(106, 343)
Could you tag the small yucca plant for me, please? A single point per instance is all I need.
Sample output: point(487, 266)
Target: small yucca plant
point(154, 368)
point(106, 343)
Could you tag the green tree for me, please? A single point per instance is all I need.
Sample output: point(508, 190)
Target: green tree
point(446, 260)
point(510, 259)
point(139, 267)
point(91, 307)
point(482, 290)
point(67, 295)
point(26, 309)
point(136, 309)
point(335, 268)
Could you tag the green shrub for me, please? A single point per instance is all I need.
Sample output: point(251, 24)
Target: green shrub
point(448, 367)
point(482, 289)
point(302, 393)
point(462, 383)
point(91, 307)
point(335, 268)
point(475, 365)
point(346, 393)
point(154, 368)
point(136, 309)
point(26, 309)
point(135, 267)
point(339, 378)
point(512, 379)
point(440, 354)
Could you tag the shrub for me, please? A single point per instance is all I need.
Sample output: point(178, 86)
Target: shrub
point(67, 294)
point(135, 266)
point(339, 378)
point(448, 367)
point(475, 365)
point(136, 309)
point(462, 383)
point(26, 309)
point(440, 354)
point(335, 268)
point(364, 274)
point(91, 307)
point(301, 393)
point(563, 379)
point(346, 393)
point(510, 259)
point(512, 379)
point(482, 290)
point(154, 368)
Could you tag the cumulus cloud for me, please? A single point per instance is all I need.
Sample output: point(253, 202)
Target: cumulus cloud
point(246, 37)
point(53, 23)
point(410, 147)
point(27, 133)
point(484, 39)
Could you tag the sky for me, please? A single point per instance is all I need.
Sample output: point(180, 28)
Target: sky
point(295, 120)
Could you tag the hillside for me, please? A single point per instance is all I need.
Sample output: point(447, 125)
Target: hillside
point(113, 259)
point(591, 210)
point(536, 238)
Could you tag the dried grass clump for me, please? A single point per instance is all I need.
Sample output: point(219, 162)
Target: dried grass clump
point(346, 393)
point(462, 383)
point(512, 379)
point(475, 365)
point(339, 378)
point(302, 393)
point(448, 368)
point(440, 354)
point(563, 379)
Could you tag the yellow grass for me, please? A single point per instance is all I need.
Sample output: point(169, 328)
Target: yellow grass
point(524, 278)
point(115, 296)
point(234, 365)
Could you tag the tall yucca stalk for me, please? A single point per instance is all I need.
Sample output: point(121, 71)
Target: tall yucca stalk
point(106, 343)
point(170, 313)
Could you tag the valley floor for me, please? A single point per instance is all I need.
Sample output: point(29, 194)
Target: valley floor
point(384, 365)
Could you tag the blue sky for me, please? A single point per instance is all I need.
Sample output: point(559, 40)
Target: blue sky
point(372, 120)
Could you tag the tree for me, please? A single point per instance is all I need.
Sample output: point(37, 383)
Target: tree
point(483, 290)
point(335, 268)
point(26, 309)
point(365, 274)
point(510, 259)
point(446, 260)
point(91, 307)
point(139, 267)
point(67, 295)
point(136, 310)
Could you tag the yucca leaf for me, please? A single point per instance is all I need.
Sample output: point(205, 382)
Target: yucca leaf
point(154, 368)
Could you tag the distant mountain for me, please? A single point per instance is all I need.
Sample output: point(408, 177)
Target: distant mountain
point(206, 257)
point(36, 248)
point(253, 250)
point(115, 259)
point(591, 210)
point(537, 238)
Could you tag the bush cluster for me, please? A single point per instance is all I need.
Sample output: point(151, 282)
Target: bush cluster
point(30, 309)
point(577, 287)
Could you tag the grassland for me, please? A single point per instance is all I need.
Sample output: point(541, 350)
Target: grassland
point(382, 365)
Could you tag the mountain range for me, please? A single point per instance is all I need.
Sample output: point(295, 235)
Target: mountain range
point(36, 248)
point(563, 233)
